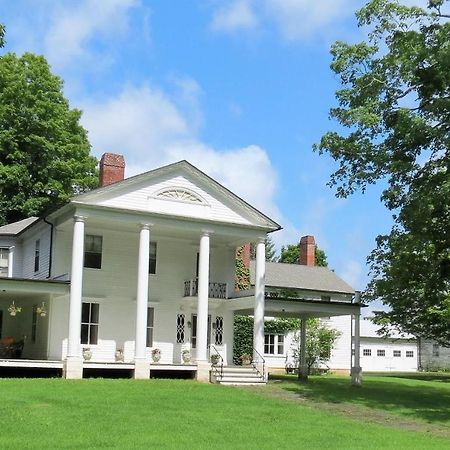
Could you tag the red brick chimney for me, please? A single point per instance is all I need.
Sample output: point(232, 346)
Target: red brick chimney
point(307, 251)
point(112, 169)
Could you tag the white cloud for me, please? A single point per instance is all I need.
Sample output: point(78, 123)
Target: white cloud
point(294, 19)
point(236, 15)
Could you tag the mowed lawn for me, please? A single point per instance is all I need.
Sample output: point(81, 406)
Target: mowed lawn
point(129, 414)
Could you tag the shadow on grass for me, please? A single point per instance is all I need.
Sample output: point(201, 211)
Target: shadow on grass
point(413, 399)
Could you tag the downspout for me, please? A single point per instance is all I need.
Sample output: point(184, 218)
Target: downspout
point(50, 256)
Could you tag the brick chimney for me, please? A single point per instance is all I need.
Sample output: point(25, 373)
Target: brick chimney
point(307, 251)
point(112, 169)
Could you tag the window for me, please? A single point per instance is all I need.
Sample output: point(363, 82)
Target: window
point(1, 323)
point(381, 352)
point(37, 251)
point(367, 352)
point(180, 328)
point(435, 349)
point(325, 298)
point(409, 353)
point(152, 258)
point(397, 353)
point(89, 323)
point(150, 324)
point(274, 344)
point(34, 324)
point(93, 251)
point(218, 335)
point(194, 331)
point(4, 262)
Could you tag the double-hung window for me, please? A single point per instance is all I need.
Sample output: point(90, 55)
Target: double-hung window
point(93, 251)
point(4, 262)
point(89, 323)
point(274, 344)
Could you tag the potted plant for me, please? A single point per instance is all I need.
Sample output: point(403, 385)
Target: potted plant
point(156, 355)
point(246, 359)
point(186, 356)
point(215, 359)
point(41, 311)
point(87, 354)
point(119, 356)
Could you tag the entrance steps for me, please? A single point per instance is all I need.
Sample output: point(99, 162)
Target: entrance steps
point(237, 376)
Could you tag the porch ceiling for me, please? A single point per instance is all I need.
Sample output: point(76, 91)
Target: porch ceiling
point(19, 288)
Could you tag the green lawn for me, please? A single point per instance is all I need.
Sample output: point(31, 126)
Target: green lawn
point(96, 413)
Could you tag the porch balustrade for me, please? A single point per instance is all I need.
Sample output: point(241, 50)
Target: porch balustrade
point(215, 290)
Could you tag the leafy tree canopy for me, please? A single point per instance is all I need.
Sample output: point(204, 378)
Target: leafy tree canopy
point(395, 103)
point(291, 253)
point(44, 151)
point(271, 251)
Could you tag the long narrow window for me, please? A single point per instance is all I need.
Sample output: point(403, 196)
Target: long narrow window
point(4, 262)
point(152, 259)
point(150, 325)
point(1, 323)
point(180, 328)
point(37, 253)
point(89, 323)
point(194, 331)
point(93, 251)
point(34, 324)
point(218, 335)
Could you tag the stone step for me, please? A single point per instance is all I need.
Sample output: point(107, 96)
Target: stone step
point(242, 383)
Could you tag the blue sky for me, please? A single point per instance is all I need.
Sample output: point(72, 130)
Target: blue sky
point(240, 88)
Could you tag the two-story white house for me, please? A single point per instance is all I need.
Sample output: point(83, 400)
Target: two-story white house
point(138, 265)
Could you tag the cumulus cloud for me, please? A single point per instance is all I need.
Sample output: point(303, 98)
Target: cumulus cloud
point(235, 15)
point(294, 19)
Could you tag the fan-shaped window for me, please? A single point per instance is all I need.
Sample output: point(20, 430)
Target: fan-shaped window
point(180, 195)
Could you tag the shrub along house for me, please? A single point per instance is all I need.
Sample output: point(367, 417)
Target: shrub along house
point(138, 267)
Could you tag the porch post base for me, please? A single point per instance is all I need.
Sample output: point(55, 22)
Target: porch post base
point(203, 371)
point(141, 369)
point(356, 374)
point(73, 369)
point(303, 373)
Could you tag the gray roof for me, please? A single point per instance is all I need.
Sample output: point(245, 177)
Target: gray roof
point(15, 228)
point(296, 276)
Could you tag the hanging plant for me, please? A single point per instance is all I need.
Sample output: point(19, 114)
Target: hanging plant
point(13, 309)
point(41, 310)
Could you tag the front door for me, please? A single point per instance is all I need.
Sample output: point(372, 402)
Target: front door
point(194, 331)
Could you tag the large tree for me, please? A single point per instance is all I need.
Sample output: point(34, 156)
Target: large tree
point(395, 103)
point(290, 254)
point(44, 151)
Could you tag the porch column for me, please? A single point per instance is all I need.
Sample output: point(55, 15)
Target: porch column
point(203, 294)
point(141, 364)
point(258, 315)
point(10, 261)
point(303, 367)
point(356, 370)
point(74, 364)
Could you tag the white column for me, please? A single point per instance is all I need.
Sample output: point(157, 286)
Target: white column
point(142, 292)
point(258, 315)
point(303, 368)
point(356, 370)
point(203, 294)
point(76, 288)
point(10, 261)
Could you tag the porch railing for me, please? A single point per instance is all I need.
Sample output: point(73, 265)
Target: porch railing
point(259, 363)
point(216, 290)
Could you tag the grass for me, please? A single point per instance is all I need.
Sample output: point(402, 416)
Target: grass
point(97, 413)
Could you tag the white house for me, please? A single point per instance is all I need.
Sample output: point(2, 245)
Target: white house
point(139, 264)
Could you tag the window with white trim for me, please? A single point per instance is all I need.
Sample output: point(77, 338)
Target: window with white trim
point(152, 259)
point(381, 352)
point(37, 253)
point(4, 262)
point(367, 352)
point(409, 353)
point(218, 332)
point(89, 323)
point(274, 344)
point(150, 325)
point(397, 353)
point(93, 251)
